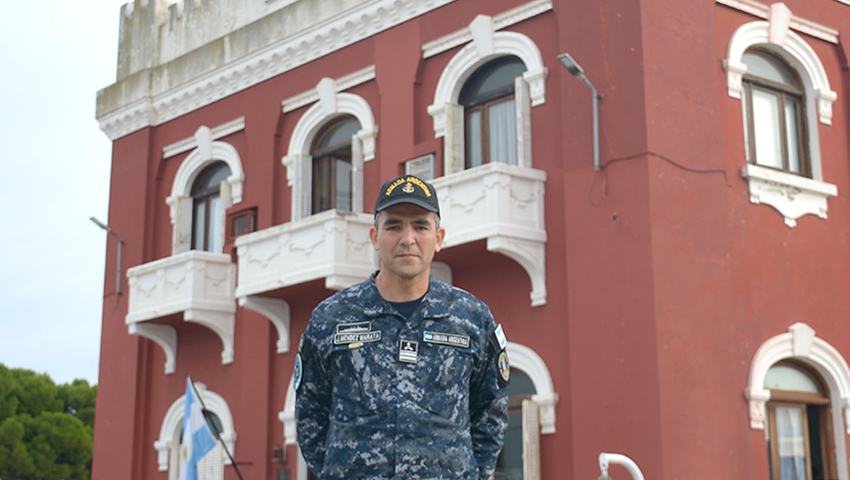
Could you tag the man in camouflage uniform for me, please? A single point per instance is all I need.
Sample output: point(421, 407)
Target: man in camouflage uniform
point(402, 376)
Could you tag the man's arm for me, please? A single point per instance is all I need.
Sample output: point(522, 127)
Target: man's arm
point(312, 404)
point(488, 407)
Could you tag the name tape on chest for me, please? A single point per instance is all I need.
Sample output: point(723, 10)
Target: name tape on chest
point(361, 337)
point(446, 339)
point(354, 327)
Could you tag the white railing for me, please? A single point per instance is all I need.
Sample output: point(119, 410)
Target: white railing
point(331, 245)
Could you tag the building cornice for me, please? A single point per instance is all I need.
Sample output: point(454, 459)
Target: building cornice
point(761, 10)
point(148, 107)
point(500, 21)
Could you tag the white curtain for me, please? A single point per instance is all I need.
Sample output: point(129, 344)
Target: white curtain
point(791, 438)
point(502, 129)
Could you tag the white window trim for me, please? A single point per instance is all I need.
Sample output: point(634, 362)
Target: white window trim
point(486, 45)
point(180, 200)
point(801, 344)
point(298, 160)
point(168, 444)
point(791, 195)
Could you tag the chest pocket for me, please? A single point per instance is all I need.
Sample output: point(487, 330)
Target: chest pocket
point(448, 376)
point(359, 380)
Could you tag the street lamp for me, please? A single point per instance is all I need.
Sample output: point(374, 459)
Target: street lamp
point(576, 71)
point(120, 242)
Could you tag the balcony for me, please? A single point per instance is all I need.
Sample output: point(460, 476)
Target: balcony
point(331, 245)
point(503, 204)
point(199, 284)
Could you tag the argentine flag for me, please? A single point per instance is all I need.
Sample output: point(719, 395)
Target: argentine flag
point(197, 438)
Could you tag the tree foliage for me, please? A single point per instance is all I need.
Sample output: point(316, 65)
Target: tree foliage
point(46, 430)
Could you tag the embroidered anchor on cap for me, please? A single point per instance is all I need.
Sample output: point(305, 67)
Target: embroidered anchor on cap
point(408, 189)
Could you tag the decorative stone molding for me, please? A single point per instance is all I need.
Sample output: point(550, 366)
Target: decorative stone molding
point(761, 10)
point(199, 284)
point(527, 360)
point(163, 335)
point(792, 195)
point(343, 103)
point(180, 201)
point(216, 133)
point(503, 204)
point(277, 311)
point(172, 425)
point(500, 21)
point(332, 245)
point(298, 158)
point(158, 102)
point(287, 417)
point(799, 343)
point(795, 50)
point(340, 85)
point(468, 59)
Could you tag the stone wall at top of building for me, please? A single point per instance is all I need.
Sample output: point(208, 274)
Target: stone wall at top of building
point(165, 44)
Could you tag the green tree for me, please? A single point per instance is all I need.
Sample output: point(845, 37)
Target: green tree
point(46, 430)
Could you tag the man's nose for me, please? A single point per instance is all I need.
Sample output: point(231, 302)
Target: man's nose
point(407, 236)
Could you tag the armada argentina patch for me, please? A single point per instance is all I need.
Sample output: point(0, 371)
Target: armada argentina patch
point(363, 337)
point(446, 339)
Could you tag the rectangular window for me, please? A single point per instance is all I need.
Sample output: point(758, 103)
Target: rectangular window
point(243, 222)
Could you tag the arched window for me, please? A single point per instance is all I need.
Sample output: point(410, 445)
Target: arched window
point(332, 165)
point(490, 112)
point(171, 433)
point(207, 212)
point(774, 114)
point(799, 424)
point(211, 465)
point(510, 463)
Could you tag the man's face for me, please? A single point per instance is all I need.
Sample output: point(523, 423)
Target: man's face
point(406, 238)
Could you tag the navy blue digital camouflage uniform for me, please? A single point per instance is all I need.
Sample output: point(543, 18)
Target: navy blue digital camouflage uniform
point(380, 396)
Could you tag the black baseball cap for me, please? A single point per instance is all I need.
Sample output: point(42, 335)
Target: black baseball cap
point(407, 189)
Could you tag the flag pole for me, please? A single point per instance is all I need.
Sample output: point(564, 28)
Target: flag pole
point(213, 428)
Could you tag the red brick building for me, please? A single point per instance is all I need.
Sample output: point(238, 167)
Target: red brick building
point(681, 300)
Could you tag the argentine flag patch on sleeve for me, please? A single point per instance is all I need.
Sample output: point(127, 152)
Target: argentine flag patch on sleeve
point(500, 336)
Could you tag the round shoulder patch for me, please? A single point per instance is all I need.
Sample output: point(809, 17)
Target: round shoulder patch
point(296, 377)
point(504, 367)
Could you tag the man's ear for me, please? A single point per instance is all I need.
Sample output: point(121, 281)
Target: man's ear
point(441, 235)
point(373, 235)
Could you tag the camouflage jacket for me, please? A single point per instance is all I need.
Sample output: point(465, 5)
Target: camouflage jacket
point(382, 397)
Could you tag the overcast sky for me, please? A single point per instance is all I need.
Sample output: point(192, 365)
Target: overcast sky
point(54, 57)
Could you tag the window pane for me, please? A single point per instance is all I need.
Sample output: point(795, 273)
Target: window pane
point(338, 135)
point(781, 377)
point(766, 67)
point(491, 81)
point(200, 225)
point(215, 230)
point(766, 126)
point(473, 139)
point(791, 438)
point(509, 464)
point(744, 106)
point(792, 126)
point(502, 132)
point(214, 178)
point(321, 190)
point(343, 185)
